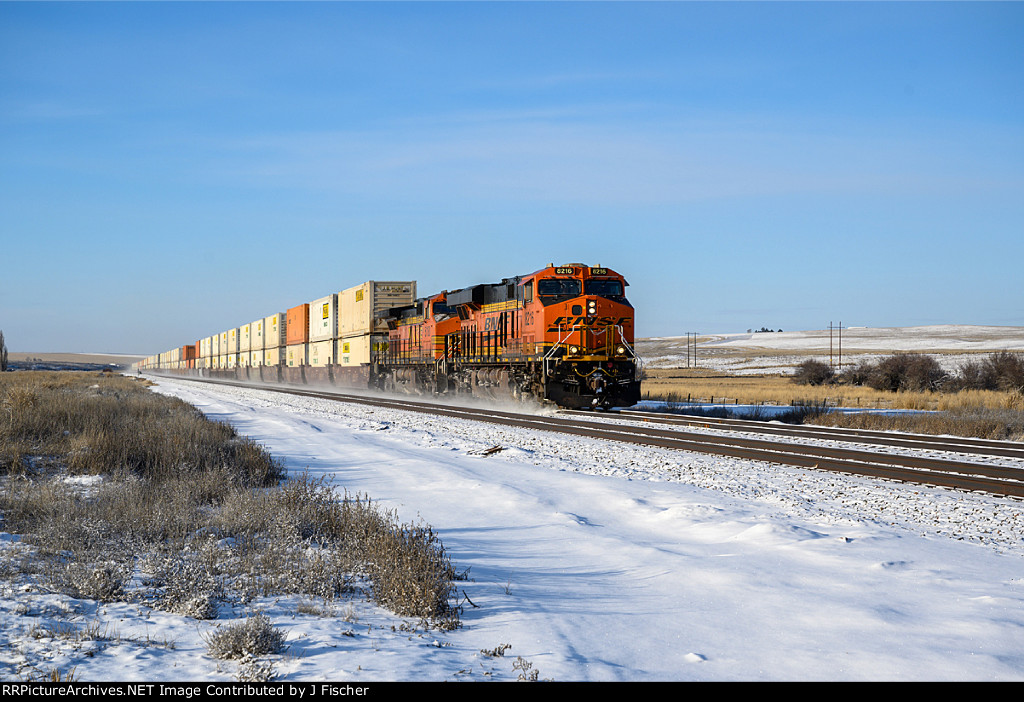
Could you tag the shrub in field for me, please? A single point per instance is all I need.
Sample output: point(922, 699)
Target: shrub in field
point(1002, 371)
point(906, 372)
point(812, 372)
point(411, 573)
point(971, 376)
point(256, 636)
point(923, 372)
point(1005, 371)
point(857, 374)
point(104, 582)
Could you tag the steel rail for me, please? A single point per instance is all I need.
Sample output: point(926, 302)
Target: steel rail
point(962, 475)
point(950, 444)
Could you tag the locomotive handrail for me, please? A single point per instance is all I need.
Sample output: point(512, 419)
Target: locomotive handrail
point(637, 361)
point(554, 347)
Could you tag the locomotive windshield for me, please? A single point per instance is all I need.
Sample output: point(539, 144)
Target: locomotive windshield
point(559, 286)
point(604, 288)
point(442, 311)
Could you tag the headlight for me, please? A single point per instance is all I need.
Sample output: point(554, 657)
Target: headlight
point(592, 307)
point(574, 350)
point(620, 350)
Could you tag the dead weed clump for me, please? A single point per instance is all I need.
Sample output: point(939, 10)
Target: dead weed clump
point(256, 636)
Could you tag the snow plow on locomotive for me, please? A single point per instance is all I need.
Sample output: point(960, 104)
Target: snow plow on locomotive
point(563, 334)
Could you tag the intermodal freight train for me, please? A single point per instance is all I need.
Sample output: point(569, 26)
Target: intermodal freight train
point(562, 334)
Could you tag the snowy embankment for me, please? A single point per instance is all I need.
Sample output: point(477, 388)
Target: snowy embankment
point(607, 562)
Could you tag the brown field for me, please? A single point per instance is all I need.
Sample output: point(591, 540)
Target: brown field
point(700, 385)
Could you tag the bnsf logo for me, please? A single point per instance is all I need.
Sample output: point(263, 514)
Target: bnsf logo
point(593, 321)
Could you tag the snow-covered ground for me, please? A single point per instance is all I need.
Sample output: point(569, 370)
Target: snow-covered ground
point(596, 561)
point(780, 352)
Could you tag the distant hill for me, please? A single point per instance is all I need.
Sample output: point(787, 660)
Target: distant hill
point(26, 360)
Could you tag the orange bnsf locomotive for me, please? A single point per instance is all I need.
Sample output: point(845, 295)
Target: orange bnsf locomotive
point(563, 333)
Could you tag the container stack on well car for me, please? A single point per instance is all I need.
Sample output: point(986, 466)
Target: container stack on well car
point(562, 333)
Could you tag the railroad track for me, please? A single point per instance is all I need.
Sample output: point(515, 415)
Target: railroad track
point(958, 474)
point(926, 442)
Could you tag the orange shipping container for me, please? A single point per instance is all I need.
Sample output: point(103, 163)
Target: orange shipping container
point(298, 325)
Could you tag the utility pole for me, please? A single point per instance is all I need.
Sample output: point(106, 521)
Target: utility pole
point(838, 329)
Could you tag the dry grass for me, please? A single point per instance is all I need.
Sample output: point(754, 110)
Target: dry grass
point(681, 385)
point(1002, 425)
point(181, 513)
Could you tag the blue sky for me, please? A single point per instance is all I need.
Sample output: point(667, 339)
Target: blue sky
point(170, 170)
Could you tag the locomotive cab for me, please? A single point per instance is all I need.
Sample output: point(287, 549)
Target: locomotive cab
point(586, 325)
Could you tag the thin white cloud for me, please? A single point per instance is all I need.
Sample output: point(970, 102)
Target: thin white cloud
point(526, 159)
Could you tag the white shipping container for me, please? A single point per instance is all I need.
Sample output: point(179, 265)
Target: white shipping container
point(274, 328)
point(360, 350)
point(297, 355)
point(358, 305)
point(273, 355)
point(256, 335)
point(323, 318)
point(243, 339)
point(256, 358)
point(322, 353)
